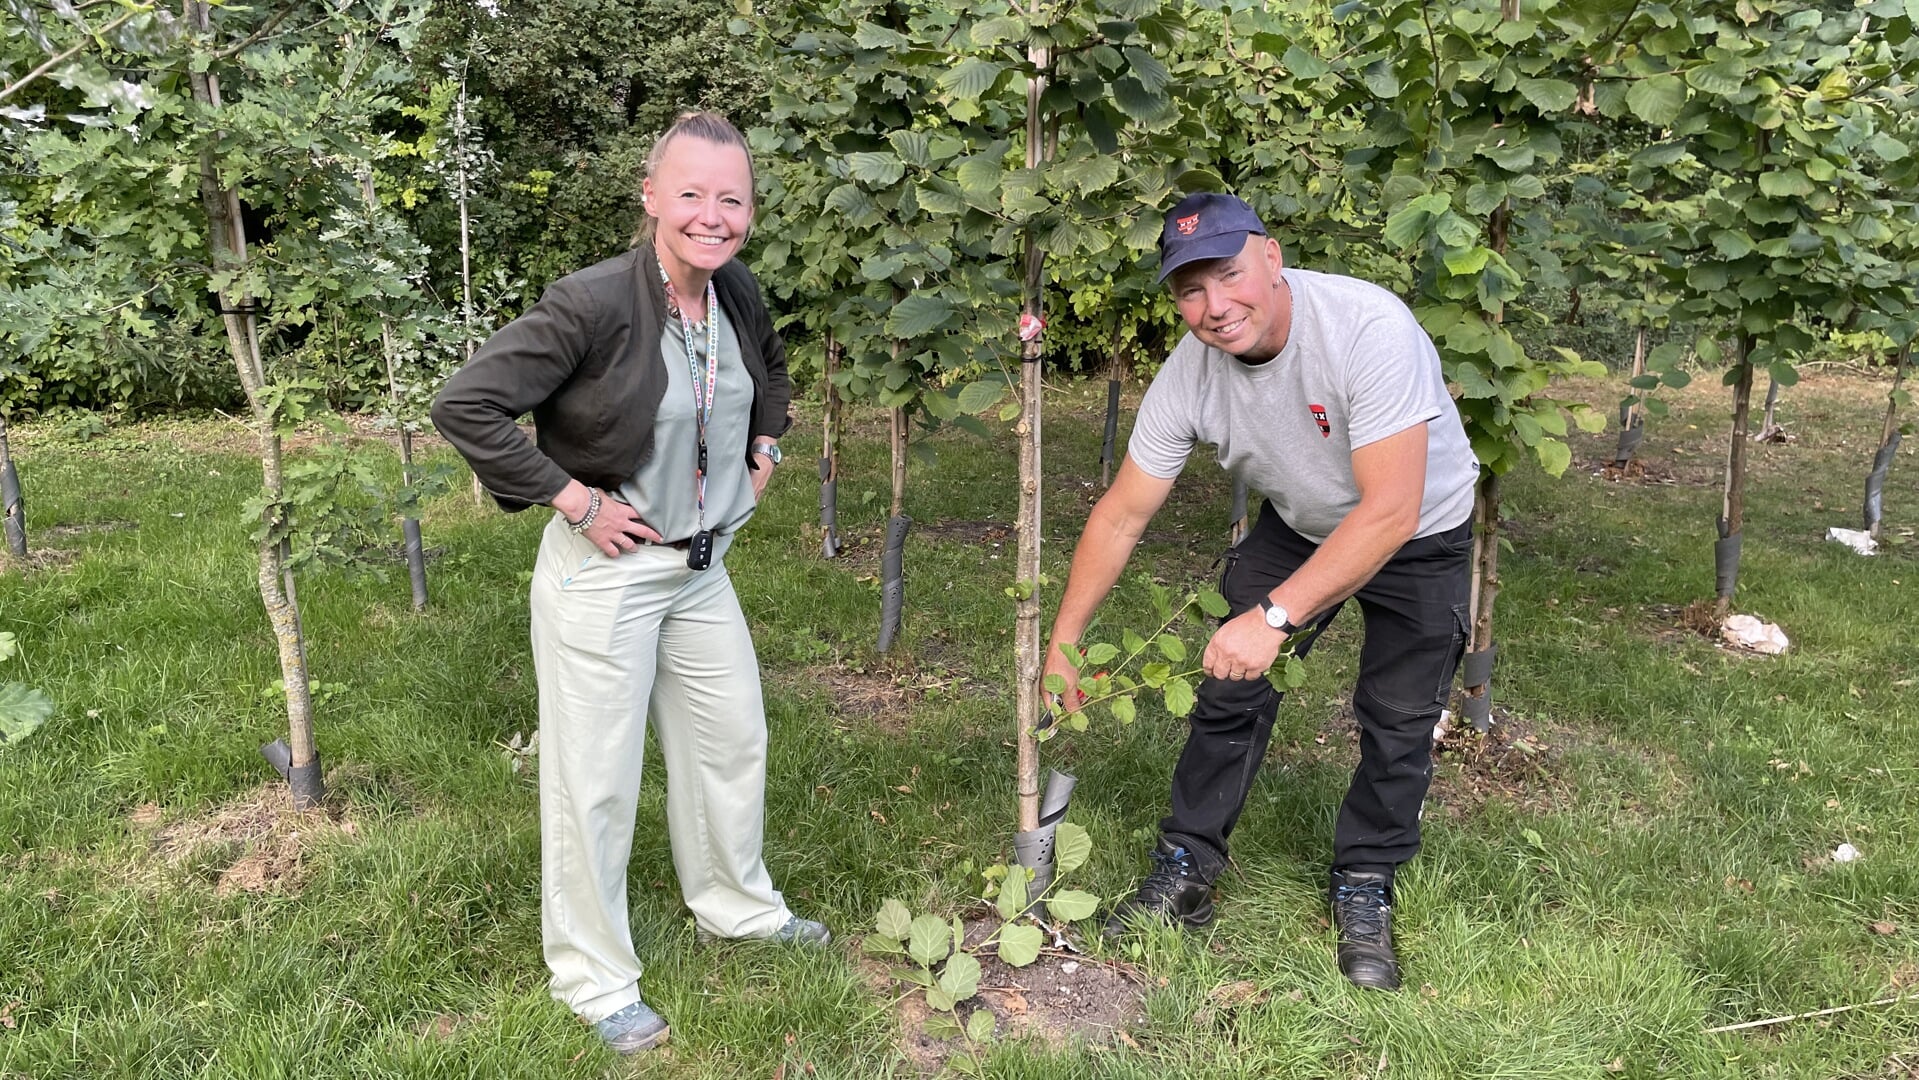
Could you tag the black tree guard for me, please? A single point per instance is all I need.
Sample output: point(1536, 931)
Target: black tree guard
point(893, 579)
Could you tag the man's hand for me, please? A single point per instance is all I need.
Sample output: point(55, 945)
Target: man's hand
point(1244, 648)
point(1057, 664)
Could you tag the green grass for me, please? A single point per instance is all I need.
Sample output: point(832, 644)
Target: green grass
point(1654, 868)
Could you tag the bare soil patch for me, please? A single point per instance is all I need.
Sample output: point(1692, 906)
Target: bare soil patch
point(64, 532)
point(255, 842)
point(1515, 761)
point(887, 694)
point(1061, 999)
point(38, 559)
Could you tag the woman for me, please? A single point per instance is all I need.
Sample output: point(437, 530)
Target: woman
point(660, 392)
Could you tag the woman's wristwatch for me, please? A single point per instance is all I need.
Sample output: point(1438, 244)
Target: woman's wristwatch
point(769, 450)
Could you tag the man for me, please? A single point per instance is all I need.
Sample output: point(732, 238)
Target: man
point(1322, 393)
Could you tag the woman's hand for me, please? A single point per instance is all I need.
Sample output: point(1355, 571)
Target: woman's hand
point(761, 472)
point(615, 530)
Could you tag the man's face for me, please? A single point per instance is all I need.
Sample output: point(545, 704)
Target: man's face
point(1236, 305)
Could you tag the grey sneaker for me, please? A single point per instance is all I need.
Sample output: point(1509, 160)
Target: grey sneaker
point(633, 1029)
point(804, 932)
point(794, 930)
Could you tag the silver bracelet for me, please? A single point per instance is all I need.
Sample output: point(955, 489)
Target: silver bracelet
point(592, 512)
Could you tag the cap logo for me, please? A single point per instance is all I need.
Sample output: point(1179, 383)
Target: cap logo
point(1187, 225)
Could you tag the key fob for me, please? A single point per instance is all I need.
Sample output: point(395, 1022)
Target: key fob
point(699, 550)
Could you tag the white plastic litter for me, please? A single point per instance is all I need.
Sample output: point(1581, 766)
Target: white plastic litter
point(1857, 539)
point(1845, 853)
point(1751, 632)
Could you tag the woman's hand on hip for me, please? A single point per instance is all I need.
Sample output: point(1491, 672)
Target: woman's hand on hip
point(618, 529)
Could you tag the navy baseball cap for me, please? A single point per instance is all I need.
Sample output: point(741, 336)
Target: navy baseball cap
point(1205, 225)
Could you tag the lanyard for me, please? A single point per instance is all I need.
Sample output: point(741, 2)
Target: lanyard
point(702, 394)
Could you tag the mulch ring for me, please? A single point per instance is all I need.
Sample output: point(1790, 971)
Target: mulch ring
point(1515, 761)
point(1060, 999)
point(254, 843)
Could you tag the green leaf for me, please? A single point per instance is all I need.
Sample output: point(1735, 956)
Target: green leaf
point(1012, 899)
point(1731, 244)
point(988, 32)
point(1212, 603)
point(1554, 456)
point(979, 1026)
point(942, 1002)
point(1101, 653)
point(22, 709)
point(1170, 647)
point(1135, 100)
point(976, 398)
point(980, 176)
point(1055, 683)
point(1094, 172)
point(1295, 676)
point(1124, 710)
point(895, 921)
point(881, 945)
point(1549, 95)
point(1302, 64)
point(1722, 78)
point(1783, 372)
point(1072, 905)
point(1180, 698)
point(870, 36)
point(940, 1024)
point(1658, 99)
point(881, 170)
point(1147, 69)
point(913, 147)
point(1071, 847)
point(1019, 945)
point(1155, 674)
point(961, 977)
point(929, 940)
point(1887, 147)
point(9, 645)
point(917, 316)
point(1408, 224)
point(1781, 183)
point(1010, 411)
point(972, 78)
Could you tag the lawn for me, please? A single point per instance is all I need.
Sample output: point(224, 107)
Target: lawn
point(1640, 852)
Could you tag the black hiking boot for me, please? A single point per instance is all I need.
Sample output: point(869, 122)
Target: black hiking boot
point(1173, 893)
point(1363, 912)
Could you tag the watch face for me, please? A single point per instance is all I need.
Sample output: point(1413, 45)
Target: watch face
point(771, 450)
point(1275, 616)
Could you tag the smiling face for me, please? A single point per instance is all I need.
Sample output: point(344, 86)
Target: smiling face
point(1237, 304)
point(700, 197)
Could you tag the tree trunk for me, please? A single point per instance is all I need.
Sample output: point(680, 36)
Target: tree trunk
point(1477, 666)
point(1875, 480)
point(11, 501)
point(1028, 654)
point(227, 240)
point(1732, 517)
point(409, 524)
point(1632, 418)
point(460, 145)
point(1768, 430)
point(1108, 459)
point(830, 457)
point(893, 556)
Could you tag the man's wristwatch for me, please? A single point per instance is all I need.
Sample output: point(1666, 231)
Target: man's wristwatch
point(1276, 616)
point(770, 449)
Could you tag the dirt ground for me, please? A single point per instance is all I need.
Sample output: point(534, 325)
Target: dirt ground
point(1060, 999)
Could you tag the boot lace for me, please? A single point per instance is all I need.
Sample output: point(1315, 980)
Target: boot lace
point(1167, 873)
point(1362, 911)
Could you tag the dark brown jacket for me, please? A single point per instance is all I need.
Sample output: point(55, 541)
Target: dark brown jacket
point(586, 362)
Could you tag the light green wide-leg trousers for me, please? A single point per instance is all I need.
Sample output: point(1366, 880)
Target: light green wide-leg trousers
point(616, 643)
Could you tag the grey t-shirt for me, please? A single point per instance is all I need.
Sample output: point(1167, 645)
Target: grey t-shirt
point(662, 490)
point(1356, 368)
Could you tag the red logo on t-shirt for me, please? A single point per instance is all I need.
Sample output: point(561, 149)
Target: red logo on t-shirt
point(1319, 417)
point(1186, 225)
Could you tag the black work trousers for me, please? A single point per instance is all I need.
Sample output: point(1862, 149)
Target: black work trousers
point(1415, 624)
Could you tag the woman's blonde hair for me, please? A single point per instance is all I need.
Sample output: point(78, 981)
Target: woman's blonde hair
point(702, 124)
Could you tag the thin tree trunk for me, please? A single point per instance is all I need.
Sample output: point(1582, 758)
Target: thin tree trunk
point(893, 556)
point(466, 251)
point(1108, 458)
point(1881, 460)
point(409, 524)
point(1236, 529)
point(1028, 647)
point(1632, 418)
point(1768, 430)
point(1478, 663)
point(1732, 517)
point(12, 502)
point(227, 239)
point(830, 457)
